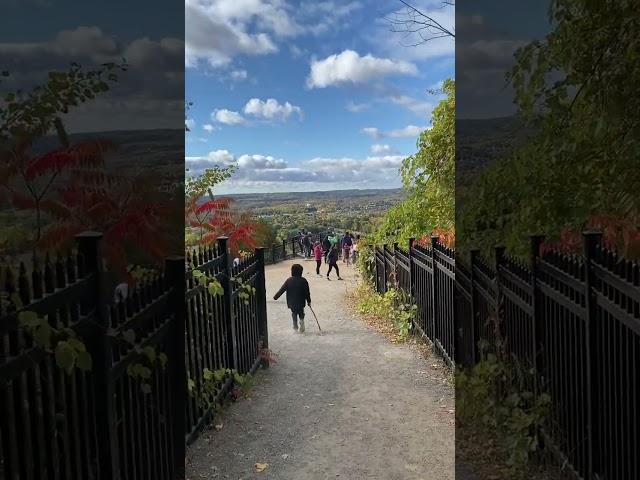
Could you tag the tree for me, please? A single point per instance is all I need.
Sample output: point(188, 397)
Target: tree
point(419, 25)
point(429, 180)
point(578, 86)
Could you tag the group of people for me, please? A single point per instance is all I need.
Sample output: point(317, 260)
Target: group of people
point(330, 249)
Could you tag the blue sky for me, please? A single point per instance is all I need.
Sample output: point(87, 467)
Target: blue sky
point(307, 95)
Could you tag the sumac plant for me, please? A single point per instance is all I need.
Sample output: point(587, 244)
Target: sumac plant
point(209, 217)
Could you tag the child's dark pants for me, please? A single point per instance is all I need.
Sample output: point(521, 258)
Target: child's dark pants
point(318, 264)
point(332, 265)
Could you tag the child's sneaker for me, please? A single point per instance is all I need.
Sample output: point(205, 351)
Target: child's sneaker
point(295, 327)
point(301, 325)
point(340, 278)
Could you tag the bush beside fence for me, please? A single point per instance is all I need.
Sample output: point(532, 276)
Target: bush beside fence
point(573, 322)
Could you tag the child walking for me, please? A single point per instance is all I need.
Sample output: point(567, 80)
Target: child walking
point(333, 262)
point(318, 254)
point(297, 289)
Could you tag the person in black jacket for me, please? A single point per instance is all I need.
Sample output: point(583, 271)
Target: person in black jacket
point(326, 246)
point(333, 261)
point(297, 289)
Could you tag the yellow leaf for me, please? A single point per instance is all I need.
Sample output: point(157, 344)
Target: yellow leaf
point(261, 467)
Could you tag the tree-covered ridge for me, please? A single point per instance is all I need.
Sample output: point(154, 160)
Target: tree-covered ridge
point(580, 170)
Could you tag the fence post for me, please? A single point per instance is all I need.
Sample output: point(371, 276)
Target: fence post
point(411, 279)
point(175, 280)
point(273, 253)
point(395, 264)
point(284, 249)
point(293, 243)
point(474, 332)
point(230, 323)
point(384, 268)
point(434, 286)
point(591, 241)
point(375, 266)
point(500, 327)
point(261, 292)
point(98, 346)
point(537, 337)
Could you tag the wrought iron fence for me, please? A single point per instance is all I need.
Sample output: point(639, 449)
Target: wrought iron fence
point(225, 330)
point(427, 275)
point(104, 422)
point(573, 322)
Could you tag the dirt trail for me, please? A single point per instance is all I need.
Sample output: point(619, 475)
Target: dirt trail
point(347, 404)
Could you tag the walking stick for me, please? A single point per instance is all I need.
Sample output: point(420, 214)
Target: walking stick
point(316, 317)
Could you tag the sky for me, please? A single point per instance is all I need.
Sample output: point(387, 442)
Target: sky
point(40, 36)
point(487, 35)
point(306, 95)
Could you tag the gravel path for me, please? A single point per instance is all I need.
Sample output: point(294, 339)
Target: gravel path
point(347, 404)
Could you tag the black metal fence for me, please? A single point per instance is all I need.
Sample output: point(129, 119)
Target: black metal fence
point(122, 419)
point(427, 275)
point(97, 423)
point(227, 331)
point(573, 322)
point(289, 248)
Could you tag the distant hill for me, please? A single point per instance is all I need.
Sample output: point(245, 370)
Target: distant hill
point(264, 199)
point(136, 148)
point(480, 142)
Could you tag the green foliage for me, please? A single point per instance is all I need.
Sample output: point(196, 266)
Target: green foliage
point(212, 284)
point(429, 180)
point(489, 400)
point(28, 116)
point(245, 290)
point(198, 186)
point(394, 306)
point(577, 86)
point(207, 390)
point(68, 350)
point(149, 360)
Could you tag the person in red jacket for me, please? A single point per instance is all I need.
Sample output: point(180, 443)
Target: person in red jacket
point(318, 254)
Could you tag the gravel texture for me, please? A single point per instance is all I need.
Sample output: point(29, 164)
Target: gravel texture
point(346, 404)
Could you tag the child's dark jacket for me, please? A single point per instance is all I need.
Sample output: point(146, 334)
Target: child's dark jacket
point(298, 293)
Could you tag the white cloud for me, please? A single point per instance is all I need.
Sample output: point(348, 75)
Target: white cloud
point(350, 67)
point(322, 17)
point(266, 173)
point(271, 109)
point(379, 149)
point(421, 109)
point(209, 128)
point(239, 75)
point(357, 107)
point(228, 117)
point(296, 52)
point(218, 31)
point(261, 162)
point(190, 123)
point(217, 157)
point(406, 132)
point(372, 132)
